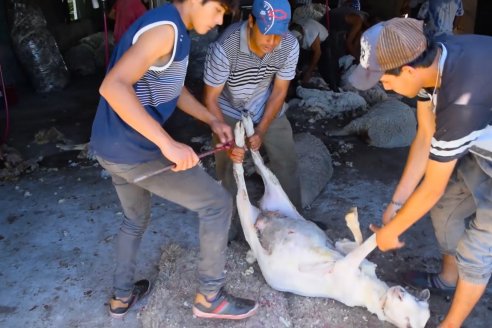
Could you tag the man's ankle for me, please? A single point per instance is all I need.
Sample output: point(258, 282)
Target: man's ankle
point(448, 280)
point(122, 298)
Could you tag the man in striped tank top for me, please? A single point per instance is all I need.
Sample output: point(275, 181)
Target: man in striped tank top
point(248, 72)
point(143, 86)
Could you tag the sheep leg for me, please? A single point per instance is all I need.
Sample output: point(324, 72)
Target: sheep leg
point(354, 259)
point(247, 212)
point(274, 198)
point(352, 220)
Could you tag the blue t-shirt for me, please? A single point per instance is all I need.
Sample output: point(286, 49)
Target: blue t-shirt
point(158, 91)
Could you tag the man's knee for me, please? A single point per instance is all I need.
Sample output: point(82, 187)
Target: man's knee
point(478, 273)
point(473, 254)
point(135, 224)
point(226, 201)
point(449, 227)
point(219, 205)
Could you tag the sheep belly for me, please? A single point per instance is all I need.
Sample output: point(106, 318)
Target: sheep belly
point(298, 256)
point(277, 232)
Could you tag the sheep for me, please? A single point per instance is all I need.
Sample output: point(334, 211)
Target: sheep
point(295, 256)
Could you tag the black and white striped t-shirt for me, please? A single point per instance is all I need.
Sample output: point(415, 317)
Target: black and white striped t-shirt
point(247, 79)
point(464, 100)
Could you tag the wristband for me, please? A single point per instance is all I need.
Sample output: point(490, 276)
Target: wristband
point(396, 203)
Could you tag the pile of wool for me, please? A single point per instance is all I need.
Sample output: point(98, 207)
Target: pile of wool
point(330, 104)
point(388, 124)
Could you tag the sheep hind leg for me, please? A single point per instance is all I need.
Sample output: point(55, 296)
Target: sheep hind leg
point(352, 221)
point(247, 212)
point(274, 198)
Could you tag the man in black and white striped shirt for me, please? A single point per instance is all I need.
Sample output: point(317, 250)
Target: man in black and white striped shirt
point(248, 72)
point(449, 167)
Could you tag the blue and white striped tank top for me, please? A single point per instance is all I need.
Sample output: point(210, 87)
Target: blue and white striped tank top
point(158, 91)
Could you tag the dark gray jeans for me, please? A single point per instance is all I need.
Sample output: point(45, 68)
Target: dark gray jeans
point(193, 189)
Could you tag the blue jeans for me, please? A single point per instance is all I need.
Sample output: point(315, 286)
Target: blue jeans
point(469, 191)
point(193, 189)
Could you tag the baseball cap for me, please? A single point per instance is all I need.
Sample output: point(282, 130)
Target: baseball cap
point(272, 16)
point(385, 46)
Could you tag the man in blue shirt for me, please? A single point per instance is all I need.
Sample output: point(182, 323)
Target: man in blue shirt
point(143, 86)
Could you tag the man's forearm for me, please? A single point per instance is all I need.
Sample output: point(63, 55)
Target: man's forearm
point(313, 64)
point(316, 55)
point(213, 107)
point(457, 22)
point(416, 207)
point(425, 196)
point(190, 105)
point(418, 155)
point(413, 171)
point(272, 108)
point(211, 100)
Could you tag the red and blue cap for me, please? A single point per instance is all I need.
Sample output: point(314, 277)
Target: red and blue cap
point(272, 16)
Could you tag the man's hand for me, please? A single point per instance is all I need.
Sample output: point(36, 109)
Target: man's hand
point(390, 212)
point(182, 155)
point(385, 238)
point(236, 154)
point(256, 139)
point(222, 131)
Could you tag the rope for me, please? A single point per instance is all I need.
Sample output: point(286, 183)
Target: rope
point(7, 116)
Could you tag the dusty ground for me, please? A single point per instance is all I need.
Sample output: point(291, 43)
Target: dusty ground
point(57, 226)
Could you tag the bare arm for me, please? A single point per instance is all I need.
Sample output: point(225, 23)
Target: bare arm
point(316, 55)
point(460, 12)
point(211, 96)
point(117, 88)
point(112, 12)
point(405, 8)
point(353, 37)
point(272, 108)
point(417, 159)
point(190, 105)
point(457, 22)
point(436, 178)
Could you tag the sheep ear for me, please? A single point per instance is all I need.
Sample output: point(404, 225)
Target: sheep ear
point(424, 295)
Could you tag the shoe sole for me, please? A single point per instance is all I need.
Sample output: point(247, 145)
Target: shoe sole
point(118, 315)
point(205, 315)
point(135, 300)
point(121, 315)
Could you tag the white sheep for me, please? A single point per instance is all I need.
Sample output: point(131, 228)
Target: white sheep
point(388, 124)
point(296, 256)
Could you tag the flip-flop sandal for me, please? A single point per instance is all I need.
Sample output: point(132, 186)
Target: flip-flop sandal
point(140, 289)
point(430, 281)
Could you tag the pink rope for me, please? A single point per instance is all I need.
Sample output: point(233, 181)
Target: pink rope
point(327, 9)
point(106, 43)
point(7, 116)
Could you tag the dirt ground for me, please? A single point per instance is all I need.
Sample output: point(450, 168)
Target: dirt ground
point(58, 222)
